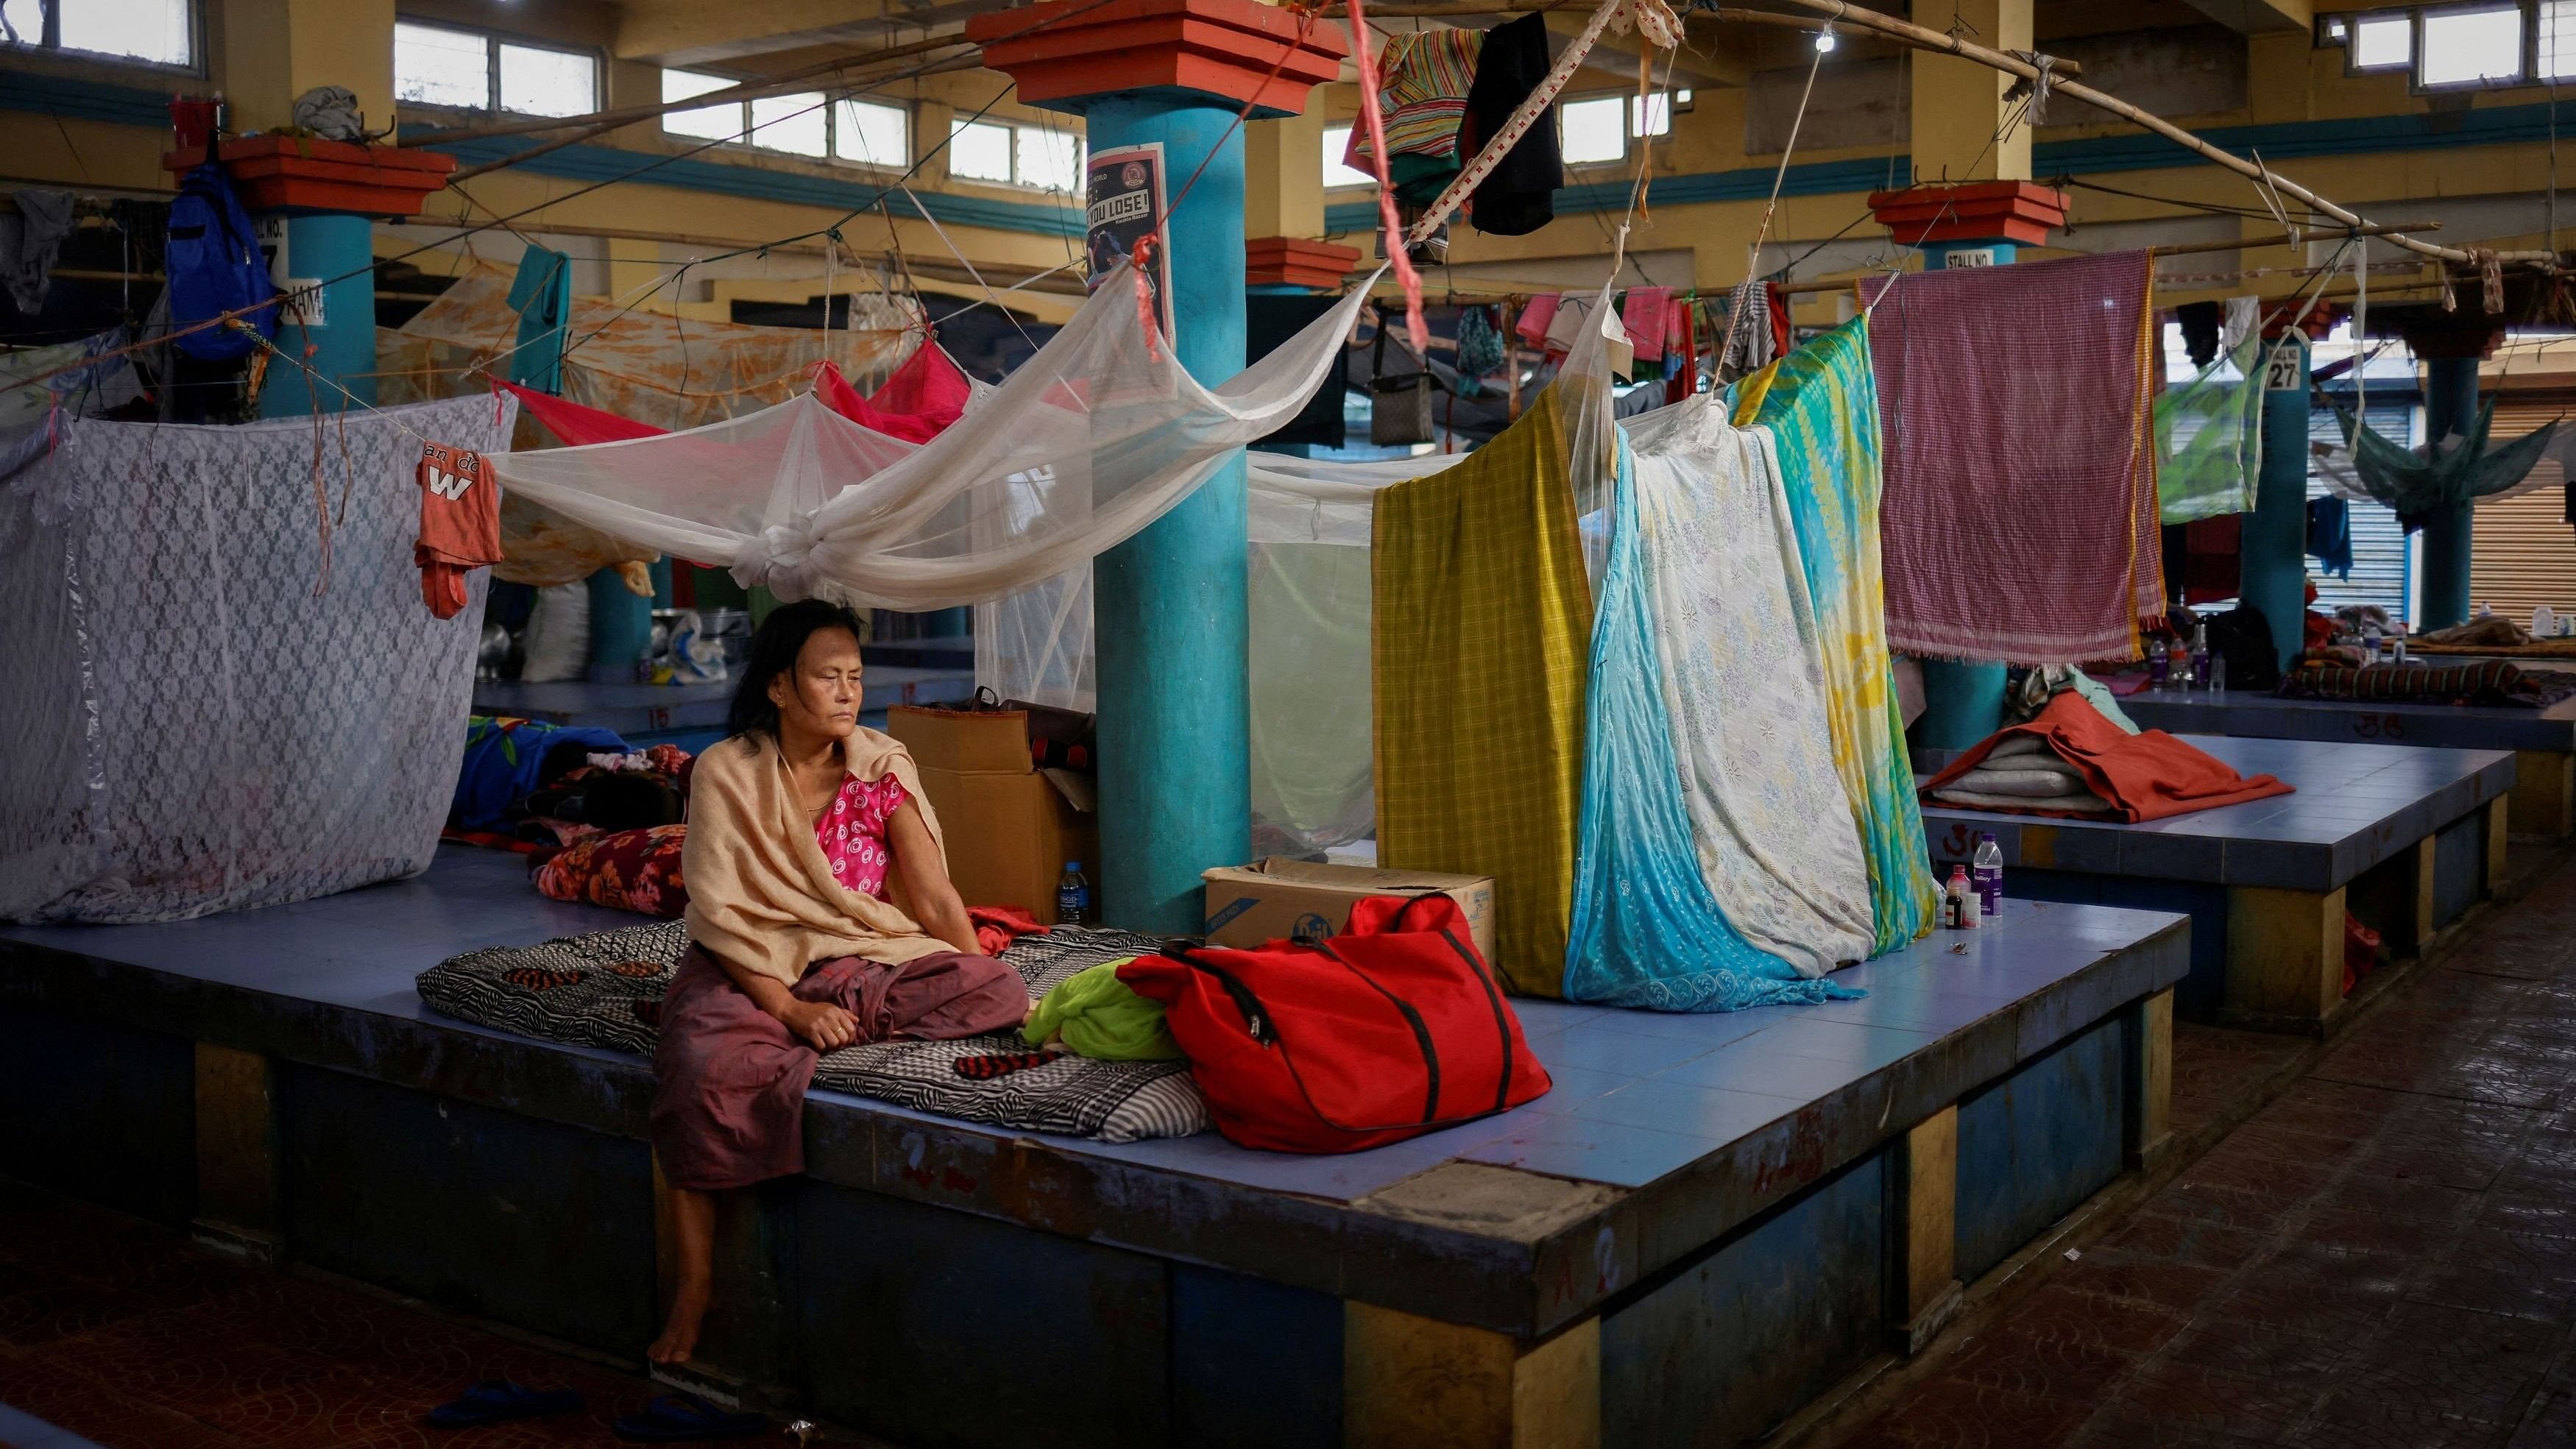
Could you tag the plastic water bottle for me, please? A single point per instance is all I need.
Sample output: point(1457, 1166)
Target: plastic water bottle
point(1073, 896)
point(2370, 640)
point(2200, 655)
point(1989, 874)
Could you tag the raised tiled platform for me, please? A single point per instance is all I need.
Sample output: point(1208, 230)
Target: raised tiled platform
point(2544, 794)
point(1709, 1221)
point(693, 715)
point(2407, 838)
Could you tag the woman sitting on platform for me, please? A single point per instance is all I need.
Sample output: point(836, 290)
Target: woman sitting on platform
point(820, 916)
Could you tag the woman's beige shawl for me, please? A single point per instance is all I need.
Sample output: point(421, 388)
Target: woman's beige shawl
point(761, 895)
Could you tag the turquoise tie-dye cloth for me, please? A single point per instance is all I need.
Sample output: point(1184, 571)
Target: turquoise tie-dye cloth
point(1821, 405)
point(1647, 930)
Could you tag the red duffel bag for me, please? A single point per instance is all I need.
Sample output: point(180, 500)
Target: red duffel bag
point(1390, 1030)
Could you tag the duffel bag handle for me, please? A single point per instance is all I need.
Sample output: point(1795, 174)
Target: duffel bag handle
point(1386, 915)
point(1256, 1017)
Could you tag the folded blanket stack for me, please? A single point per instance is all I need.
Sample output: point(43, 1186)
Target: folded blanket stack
point(2023, 773)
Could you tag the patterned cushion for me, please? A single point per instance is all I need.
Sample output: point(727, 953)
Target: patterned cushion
point(624, 870)
point(606, 990)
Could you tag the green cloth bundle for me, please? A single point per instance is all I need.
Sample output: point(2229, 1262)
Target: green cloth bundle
point(1099, 1017)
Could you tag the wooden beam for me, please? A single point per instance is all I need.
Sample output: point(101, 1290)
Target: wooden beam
point(1928, 1221)
point(2151, 1081)
point(2284, 958)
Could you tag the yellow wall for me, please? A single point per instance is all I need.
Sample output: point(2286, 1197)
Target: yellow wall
point(2288, 79)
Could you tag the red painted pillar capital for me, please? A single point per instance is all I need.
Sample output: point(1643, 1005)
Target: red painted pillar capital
point(2022, 212)
point(1064, 53)
point(1289, 261)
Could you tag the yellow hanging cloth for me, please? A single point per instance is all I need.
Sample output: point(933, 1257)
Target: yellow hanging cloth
point(1481, 622)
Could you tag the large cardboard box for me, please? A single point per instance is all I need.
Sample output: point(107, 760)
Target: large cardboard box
point(1282, 899)
point(1010, 826)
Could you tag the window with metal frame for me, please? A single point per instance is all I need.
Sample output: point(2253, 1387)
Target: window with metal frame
point(152, 32)
point(1010, 153)
point(803, 123)
point(440, 65)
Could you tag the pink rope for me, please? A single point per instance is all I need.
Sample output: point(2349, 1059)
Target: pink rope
point(1405, 276)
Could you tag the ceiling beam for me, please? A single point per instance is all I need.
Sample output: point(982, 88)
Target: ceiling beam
point(2249, 17)
point(1617, 55)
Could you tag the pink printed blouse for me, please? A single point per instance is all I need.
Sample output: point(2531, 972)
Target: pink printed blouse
point(853, 832)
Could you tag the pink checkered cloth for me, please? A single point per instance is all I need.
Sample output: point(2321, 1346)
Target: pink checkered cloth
point(2019, 512)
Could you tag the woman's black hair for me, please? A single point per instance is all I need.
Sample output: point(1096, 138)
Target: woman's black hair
point(774, 647)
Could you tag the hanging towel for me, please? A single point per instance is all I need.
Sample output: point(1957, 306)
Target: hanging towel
point(1566, 322)
point(1519, 195)
point(1479, 615)
point(2330, 535)
point(1743, 685)
point(1682, 352)
point(1647, 931)
point(460, 524)
point(2145, 776)
point(1537, 318)
point(1644, 317)
point(2213, 559)
point(541, 294)
point(2020, 508)
point(1424, 78)
point(1821, 405)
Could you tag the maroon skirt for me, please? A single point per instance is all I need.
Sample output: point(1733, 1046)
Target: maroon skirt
point(730, 1106)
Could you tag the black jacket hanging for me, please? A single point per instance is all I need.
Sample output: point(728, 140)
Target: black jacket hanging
point(1519, 196)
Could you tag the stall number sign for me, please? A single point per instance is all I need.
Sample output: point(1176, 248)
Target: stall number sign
point(1123, 203)
point(2281, 372)
point(303, 294)
point(1968, 257)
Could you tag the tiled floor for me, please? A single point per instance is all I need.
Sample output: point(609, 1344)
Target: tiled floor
point(2383, 1258)
point(129, 1336)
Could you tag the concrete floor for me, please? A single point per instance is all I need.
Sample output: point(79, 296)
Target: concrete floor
point(2382, 1256)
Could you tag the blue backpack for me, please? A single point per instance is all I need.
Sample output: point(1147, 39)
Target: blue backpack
point(215, 266)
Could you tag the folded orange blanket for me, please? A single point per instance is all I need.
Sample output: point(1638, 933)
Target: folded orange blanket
point(2146, 776)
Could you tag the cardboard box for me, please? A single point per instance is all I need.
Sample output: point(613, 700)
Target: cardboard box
point(1010, 826)
point(1282, 899)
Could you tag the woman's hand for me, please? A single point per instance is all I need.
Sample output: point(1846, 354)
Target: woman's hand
point(826, 1026)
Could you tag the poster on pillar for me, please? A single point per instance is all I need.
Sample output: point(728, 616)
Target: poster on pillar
point(1123, 196)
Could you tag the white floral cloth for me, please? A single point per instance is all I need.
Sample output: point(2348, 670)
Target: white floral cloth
point(1743, 680)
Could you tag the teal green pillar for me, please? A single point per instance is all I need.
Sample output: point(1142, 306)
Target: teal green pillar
point(339, 343)
point(621, 629)
point(1963, 702)
point(1168, 604)
point(2273, 565)
point(2450, 407)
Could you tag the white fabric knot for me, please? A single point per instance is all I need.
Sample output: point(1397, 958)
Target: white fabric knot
point(781, 557)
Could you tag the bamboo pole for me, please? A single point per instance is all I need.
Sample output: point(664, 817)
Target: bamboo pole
point(1921, 38)
point(2184, 249)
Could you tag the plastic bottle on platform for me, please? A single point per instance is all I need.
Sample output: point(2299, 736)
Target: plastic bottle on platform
point(1989, 878)
point(2178, 665)
point(2544, 622)
point(2200, 654)
point(2157, 664)
point(2370, 638)
point(1073, 896)
point(1959, 909)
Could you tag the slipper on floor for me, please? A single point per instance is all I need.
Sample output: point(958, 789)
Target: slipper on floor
point(685, 1419)
point(494, 1400)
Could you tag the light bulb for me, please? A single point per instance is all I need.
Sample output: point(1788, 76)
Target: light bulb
point(1824, 41)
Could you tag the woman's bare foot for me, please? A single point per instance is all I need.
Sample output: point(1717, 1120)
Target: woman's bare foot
point(680, 1334)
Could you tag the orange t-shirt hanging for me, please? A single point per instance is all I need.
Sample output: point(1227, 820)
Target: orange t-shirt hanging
point(460, 524)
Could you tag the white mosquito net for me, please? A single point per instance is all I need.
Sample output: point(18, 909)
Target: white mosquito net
point(204, 715)
point(1090, 440)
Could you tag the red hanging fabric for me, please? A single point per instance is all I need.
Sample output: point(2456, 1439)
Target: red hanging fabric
point(916, 404)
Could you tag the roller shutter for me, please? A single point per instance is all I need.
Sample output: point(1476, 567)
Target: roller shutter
point(2524, 550)
point(2379, 546)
